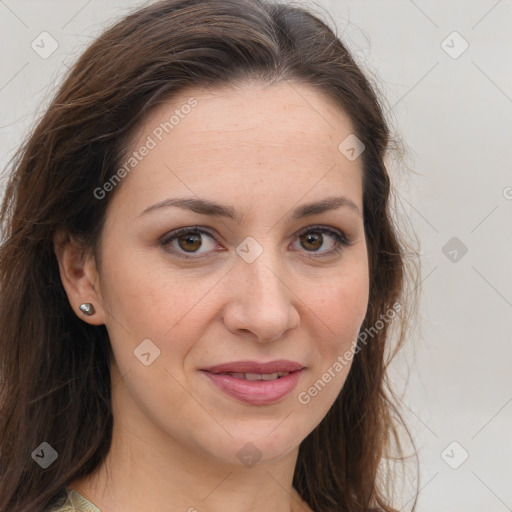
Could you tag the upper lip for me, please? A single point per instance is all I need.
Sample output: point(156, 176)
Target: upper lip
point(280, 365)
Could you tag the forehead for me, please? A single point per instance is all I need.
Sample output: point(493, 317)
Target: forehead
point(243, 140)
point(234, 113)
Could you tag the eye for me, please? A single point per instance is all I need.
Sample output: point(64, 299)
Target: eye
point(313, 238)
point(188, 240)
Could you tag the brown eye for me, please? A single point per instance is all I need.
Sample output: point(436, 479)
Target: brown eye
point(191, 242)
point(188, 241)
point(312, 239)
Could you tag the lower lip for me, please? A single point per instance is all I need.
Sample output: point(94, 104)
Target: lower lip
point(256, 392)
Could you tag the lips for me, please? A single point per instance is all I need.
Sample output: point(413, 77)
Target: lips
point(255, 367)
point(254, 382)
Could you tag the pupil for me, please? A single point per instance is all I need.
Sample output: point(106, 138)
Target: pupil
point(311, 239)
point(189, 241)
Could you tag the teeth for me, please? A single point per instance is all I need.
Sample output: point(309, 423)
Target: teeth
point(257, 376)
point(237, 375)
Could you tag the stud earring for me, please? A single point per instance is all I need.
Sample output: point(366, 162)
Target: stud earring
point(87, 309)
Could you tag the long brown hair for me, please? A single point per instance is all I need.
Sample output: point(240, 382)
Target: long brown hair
point(54, 368)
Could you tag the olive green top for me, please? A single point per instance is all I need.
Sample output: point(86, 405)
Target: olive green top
point(75, 502)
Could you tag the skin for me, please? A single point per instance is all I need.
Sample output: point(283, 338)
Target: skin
point(264, 150)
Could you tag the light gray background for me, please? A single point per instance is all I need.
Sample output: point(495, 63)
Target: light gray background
point(454, 115)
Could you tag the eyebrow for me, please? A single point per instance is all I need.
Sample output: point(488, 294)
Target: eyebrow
point(212, 208)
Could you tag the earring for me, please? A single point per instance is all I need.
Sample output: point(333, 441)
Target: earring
point(87, 309)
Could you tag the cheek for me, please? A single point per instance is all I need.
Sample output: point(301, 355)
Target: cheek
point(143, 294)
point(340, 303)
point(144, 301)
point(338, 309)
point(147, 302)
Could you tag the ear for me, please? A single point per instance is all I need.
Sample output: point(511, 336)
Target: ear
point(79, 276)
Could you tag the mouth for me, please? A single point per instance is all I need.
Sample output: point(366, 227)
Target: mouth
point(280, 366)
point(255, 376)
point(254, 382)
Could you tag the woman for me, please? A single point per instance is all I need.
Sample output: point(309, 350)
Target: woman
point(199, 272)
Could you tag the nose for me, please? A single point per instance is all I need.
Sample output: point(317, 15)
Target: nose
point(261, 301)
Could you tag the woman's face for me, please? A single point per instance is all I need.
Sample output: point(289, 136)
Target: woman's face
point(239, 290)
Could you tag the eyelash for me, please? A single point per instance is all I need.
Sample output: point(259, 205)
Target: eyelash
point(339, 236)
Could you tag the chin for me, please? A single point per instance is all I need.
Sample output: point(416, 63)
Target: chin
point(256, 446)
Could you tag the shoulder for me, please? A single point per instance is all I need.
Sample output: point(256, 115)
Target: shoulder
point(75, 502)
